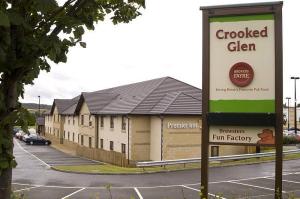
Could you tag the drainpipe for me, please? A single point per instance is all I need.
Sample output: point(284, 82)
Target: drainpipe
point(97, 131)
point(128, 139)
point(161, 137)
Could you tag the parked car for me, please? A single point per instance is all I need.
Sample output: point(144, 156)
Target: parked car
point(36, 140)
point(16, 130)
point(20, 134)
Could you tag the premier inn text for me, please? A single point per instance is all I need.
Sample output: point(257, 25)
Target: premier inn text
point(237, 45)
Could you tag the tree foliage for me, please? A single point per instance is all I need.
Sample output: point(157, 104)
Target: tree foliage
point(35, 33)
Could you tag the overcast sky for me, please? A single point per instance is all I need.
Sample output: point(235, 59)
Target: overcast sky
point(164, 41)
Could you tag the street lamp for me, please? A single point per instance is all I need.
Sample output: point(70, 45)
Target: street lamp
point(295, 108)
point(288, 116)
point(39, 106)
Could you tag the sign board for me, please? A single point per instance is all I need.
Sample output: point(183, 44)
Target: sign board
point(242, 80)
point(242, 135)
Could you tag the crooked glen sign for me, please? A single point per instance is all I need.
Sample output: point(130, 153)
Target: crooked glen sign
point(242, 64)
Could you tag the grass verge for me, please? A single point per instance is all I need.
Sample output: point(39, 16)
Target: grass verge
point(112, 169)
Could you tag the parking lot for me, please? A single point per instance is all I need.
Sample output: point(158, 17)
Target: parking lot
point(262, 187)
point(35, 180)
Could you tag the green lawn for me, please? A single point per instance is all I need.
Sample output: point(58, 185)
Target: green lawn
point(112, 169)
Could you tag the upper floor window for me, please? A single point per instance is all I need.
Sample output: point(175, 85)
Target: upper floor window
point(82, 119)
point(102, 121)
point(90, 121)
point(123, 123)
point(73, 120)
point(112, 121)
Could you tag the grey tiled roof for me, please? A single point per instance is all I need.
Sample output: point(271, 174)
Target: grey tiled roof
point(158, 96)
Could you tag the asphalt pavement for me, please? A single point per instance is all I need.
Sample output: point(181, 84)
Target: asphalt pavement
point(35, 179)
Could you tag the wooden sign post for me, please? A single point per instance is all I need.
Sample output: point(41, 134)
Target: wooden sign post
point(242, 80)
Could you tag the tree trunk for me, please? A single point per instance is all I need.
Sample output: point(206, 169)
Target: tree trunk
point(10, 93)
point(5, 183)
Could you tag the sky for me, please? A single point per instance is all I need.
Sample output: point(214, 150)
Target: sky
point(164, 41)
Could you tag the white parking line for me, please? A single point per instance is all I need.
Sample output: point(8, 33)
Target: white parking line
point(291, 181)
point(213, 195)
point(138, 193)
point(26, 189)
point(73, 193)
point(47, 165)
point(249, 185)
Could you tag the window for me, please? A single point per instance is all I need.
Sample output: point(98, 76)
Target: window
point(82, 139)
point(214, 151)
point(101, 143)
point(82, 119)
point(123, 123)
point(102, 121)
point(73, 120)
point(90, 121)
point(123, 147)
point(111, 145)
point(68, 120)
point(90, 142)
point(112, 122)
point(77, 138)
point(73, 138)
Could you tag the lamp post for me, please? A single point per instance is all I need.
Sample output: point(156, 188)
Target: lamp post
point(38, 127)
point(39, 106)
point(295, 108)
point(288, 116)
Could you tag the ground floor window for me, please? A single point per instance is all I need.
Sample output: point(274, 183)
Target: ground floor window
point(73, 138)
point(101, 143)
point(123, 147)
point(90, 142)
point(214, 151)
point(111, 145)
point(82, 139)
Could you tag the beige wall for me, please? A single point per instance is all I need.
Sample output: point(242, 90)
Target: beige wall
point(116, 134)
point(180, 143)
point(86, 129)
point(155, 138)
point(140, 138)
point(57, 130)
point(71, 127)
point(48, 124)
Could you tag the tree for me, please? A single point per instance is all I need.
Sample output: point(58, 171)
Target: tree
point(34, 34)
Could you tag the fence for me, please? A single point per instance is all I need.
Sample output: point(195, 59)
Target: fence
point(219, 158)
point(111, 157)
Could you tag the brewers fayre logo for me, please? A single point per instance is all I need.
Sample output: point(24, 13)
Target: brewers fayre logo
point(241, 74)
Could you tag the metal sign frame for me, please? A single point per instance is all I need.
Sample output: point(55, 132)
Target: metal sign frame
point(247, 119)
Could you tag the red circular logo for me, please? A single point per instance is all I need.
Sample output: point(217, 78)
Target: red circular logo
point(241, 74)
